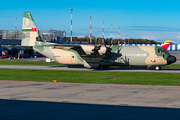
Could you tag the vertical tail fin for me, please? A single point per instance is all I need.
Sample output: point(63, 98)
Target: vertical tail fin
point(167, 44)
point(29, 30)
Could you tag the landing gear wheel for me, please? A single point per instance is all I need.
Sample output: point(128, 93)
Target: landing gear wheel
point(158, 68)
point(105, 67)
point(97, 67)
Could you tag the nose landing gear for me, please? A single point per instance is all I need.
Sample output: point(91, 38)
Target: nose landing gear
point(158, 68)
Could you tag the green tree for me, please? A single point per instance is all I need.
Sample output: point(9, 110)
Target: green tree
point(66, 39)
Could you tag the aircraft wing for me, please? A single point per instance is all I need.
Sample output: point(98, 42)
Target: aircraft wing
point(75, 47)
point(61, 46)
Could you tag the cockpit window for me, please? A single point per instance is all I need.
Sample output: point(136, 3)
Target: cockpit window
point(161, 50)
point(167, 52)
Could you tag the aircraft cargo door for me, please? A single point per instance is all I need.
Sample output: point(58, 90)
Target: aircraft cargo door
point(73, 59)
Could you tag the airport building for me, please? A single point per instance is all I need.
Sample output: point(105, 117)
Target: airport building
point(13, 37)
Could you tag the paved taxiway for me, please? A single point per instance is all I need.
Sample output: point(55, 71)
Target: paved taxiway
point(80, 68)
point(67, 101)
point(177, 55)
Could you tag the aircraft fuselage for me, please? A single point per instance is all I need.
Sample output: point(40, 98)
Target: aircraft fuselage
point(120, 56)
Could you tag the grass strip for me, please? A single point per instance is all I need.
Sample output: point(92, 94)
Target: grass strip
point(98, 77)
point(172, 66)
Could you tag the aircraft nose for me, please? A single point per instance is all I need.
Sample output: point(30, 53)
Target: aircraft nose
point(171, 59)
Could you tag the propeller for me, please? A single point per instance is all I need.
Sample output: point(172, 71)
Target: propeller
point(96, 49)
point(108, 51)
point(39, 38)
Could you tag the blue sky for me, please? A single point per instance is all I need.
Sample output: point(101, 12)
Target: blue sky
point(149, 19)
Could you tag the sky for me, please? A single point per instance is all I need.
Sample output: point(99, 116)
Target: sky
point(148, 19)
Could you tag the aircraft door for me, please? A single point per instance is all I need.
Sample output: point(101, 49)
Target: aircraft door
point(73, 59)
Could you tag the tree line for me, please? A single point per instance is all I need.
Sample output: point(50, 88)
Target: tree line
point(98, 40)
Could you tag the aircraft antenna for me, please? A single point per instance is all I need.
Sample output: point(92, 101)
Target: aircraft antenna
point(71, 24)
point(90, 31)
point(103, 32)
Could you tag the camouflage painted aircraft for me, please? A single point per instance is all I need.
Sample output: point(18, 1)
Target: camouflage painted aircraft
point(91, 56)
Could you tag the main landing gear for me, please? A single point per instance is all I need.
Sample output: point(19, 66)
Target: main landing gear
point(104, 67)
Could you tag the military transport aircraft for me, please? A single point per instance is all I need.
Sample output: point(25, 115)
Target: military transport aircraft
point(93, 56)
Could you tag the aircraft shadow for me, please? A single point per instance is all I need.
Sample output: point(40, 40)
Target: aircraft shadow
point(35, 110)
point(171, 69)
point(110, 68)
point(124, 68)
point(75, 66)
point(121, 68)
